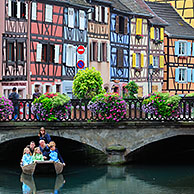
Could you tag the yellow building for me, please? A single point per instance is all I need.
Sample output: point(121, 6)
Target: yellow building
point(184, 7)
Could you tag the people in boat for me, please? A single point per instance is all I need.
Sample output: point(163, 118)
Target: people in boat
point(54, 154)
point(27, 157)
point(31, 147)
point(37, 156)
point(44, 136)
point(44, 149)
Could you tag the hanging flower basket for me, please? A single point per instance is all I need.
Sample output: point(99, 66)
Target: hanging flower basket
point(158, 41)
point(138, 37)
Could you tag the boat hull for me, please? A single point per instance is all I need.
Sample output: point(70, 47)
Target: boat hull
point(43, 167)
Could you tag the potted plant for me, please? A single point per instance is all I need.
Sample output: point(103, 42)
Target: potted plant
point(139, 36)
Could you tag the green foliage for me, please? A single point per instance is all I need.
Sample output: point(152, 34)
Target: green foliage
point(87, 84)
point(190, 95)
point(51, 106)
point(162, 105)
point(132, 89)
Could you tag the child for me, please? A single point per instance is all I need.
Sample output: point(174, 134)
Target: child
point(37, 156)
point(27, 157)
point(54, 154)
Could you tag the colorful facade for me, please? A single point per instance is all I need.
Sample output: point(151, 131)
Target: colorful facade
point(13, 46)
point(99, 39)
point(184, 7)
point(179, 51)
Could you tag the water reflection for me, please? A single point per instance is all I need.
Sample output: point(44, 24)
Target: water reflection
point(103, 180)
point(34, 185)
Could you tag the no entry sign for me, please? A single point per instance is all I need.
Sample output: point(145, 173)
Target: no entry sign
point(81, 50)
point(80, 64)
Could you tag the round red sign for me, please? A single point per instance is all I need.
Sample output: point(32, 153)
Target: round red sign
point(81, 50)
point(80, 64)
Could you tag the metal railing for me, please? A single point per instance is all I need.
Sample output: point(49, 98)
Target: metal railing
point(80, 112)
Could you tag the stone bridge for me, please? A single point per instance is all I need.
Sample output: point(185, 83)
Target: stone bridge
point(115, 140)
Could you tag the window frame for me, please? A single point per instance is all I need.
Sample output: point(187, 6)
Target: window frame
point(158, 62)
point(180, 74)
point(185, 47)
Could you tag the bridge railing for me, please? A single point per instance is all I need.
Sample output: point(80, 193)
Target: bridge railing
point(80, 111)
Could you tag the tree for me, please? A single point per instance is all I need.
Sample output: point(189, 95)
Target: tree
point(87, 84)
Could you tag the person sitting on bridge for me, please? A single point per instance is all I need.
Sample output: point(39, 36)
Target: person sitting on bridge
point(44, 149)
point(31, 147)
point(54, 154)
point(27, 157)
point(44, 136)
point(37, 156)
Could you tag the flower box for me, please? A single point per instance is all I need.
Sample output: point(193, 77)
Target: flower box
point(138, 37)
point(158, 41)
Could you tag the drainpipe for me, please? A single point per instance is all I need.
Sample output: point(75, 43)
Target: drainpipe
point(148, 58)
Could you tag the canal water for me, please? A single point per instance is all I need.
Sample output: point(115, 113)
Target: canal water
point(131, 179)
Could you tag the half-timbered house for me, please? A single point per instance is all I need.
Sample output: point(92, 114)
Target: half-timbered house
point(13, 46)
point(57, 28)
point(99, 39)
point(184, 7)
point(147, 51)
point(179, 50)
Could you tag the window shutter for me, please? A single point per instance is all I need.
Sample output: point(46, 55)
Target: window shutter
point(18, 9)
point(151, 60)
point(9, 8)
point(96, 13)
point(70, 17)
point(81, 20)
point(91, 51)
point(120, 58)
point(54, 88)
point(126, 26)
point(193, 48)
point(188, 48)
point(57, 47)
point(26, 10)
point(162, 61)
point(161, 33)
point(33, 87)
point(138, 26)
point(38, 52)
point(105, 52)
point(100, 14)
point(108, 52)
point(193, 75)
point(96, 51)
point(68, 53)
point(48, 13)
point(64, 53)
point(189, 75)
point(117, 24)
point(152, 33)
point(101, 52)
point(74, 50)
point(44, 89)
point(177, 48)
point(142, 60)
point(89, 14)
point(134, 60)
point(99, 48)
point(177, 75)
point(34, 11)
point(106, 15)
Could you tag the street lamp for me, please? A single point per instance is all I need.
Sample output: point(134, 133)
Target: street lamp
point(150, 71)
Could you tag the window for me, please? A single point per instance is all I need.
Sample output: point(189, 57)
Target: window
point(182, 48)
point(71, 56)
point(10, 51)
point(140, 91)
point(120, 58)
point(23, 10)
point(44, 52)
point(48, 13)
point(103, 14)
point(51, 58)
point(121, 25)
point(58, 88)
point(94, 51)
point(182, 75)
point(14, 9)
point(48, 88)
point(157, 33)
point(138, 60)
point(155, 61)
point(154, 89)
point(20, 52)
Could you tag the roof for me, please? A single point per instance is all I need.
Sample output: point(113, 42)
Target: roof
point(156, 20)
point(177, 27)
